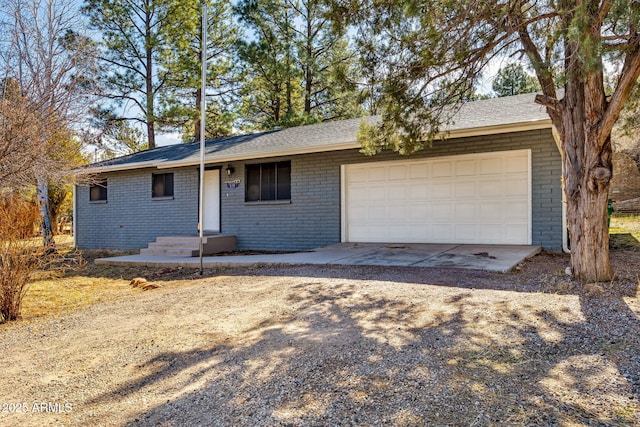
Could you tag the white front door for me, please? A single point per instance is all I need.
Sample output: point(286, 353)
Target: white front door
point(211, 203)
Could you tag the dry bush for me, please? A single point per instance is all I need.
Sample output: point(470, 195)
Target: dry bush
point(20, 256)
point(22, 155)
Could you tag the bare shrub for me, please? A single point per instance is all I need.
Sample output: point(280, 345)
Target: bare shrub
point(20, 255)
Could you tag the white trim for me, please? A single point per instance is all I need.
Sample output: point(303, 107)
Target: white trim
point(447, 157)
point(263, 155)
point(121, 167)
point(565, 230)
point(530, 167)
point(75, 216)
point(499, 129)
point(459, 133)
point(343, 203)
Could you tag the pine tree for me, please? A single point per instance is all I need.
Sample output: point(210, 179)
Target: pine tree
point(271, 94)
point(181, 58)
point(299, 67)
point(132, 39)
point(329, 68)
point(513, 80)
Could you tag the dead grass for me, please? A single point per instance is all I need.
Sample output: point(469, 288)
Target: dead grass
point(91, 284)
point(629, 224)
point(57, 292)
point(624, 232)
point(339, 345)
point(56, 296)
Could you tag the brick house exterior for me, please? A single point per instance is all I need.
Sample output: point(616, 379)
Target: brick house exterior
point(314, 214)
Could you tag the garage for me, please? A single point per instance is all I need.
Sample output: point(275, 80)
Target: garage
point(474, 199)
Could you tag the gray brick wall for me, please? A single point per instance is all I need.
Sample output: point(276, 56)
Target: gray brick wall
point(312, 218)
point(131, 218)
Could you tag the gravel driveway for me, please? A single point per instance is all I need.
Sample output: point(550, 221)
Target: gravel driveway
point(336, 346)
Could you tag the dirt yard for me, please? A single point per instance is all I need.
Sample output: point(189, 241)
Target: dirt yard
point(332, 346)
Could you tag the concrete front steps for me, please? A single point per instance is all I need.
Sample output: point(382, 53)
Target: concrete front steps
point(189, 246)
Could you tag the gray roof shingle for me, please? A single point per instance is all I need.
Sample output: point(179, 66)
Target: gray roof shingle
point(486, 115)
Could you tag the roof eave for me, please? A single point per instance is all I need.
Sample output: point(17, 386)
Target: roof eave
point(120, 167)
point(456, 133)
point(498, 129)
point(263, 155)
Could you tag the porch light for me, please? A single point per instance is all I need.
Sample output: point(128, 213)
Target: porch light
point(229, 170)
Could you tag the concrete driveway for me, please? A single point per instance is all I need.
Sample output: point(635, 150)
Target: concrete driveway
point(483, 257)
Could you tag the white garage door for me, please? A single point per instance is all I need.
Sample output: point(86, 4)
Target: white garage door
point(479, 198)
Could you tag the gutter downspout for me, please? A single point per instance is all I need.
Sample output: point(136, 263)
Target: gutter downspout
point(565, 235)
point(75, 217)
point(565, 232)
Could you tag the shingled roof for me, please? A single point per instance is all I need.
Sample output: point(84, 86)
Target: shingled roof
point(485, 117)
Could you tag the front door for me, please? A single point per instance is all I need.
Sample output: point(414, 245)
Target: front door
point(211, 205)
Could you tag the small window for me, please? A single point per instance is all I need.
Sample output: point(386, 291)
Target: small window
point(268, 181)
point(162, 185)
point(98, 191)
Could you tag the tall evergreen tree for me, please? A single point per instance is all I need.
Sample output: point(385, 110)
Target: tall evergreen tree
point(299, 68)
point(513, 79)
point(272, 91)
point(132, 40)
point(181, 58)
point(328, 67)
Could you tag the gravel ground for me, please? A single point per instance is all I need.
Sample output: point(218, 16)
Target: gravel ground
point(315, 345)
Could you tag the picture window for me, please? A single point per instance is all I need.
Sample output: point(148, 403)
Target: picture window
point(268, 182)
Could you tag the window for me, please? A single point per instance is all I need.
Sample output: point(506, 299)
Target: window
point(98, 191)
point(268, 181)
point(162, 185)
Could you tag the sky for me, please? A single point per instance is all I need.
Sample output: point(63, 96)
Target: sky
point(164, 139)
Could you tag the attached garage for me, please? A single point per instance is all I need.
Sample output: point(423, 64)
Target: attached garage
point(476, 198)
point(495, 178)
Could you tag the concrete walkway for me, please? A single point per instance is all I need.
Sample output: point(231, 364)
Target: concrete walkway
point(500, 258)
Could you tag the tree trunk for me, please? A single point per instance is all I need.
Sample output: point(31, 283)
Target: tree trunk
point(308, 74)
point(587, 172)
point(277, 103)
point(151, 133)
point(308, 87)
point(589, 236)
point(54, 218)
point(43, 207)
point(288, 86)
point(150, 93)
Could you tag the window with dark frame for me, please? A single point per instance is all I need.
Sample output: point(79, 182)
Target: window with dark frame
point(98, 191)
point(268, 182)
point(162, 185)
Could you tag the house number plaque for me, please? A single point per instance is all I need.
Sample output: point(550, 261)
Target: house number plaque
point(233, 184)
